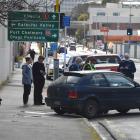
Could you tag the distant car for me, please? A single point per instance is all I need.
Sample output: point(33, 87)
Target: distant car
point(105, 61)
point(62, 50)
point(50, 68)
point(50, 52)
point(91, 93)
point(72, 48)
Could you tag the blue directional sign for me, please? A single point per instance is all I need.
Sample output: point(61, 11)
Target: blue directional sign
point(66, 21)
point(54, 46)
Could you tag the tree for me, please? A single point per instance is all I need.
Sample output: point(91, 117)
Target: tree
point(83, 17)
point(109, 1)
point(78, 10)
point(81, 31)
point(10, 5)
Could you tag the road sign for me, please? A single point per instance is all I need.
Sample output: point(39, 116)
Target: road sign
point(54, 47)
point(33, 35)
point(33, 26)
point(66, 21)
point(33, 16)
point(104, 29)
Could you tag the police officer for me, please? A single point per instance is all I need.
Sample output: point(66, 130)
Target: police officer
point(90, 65)
point(127, 67)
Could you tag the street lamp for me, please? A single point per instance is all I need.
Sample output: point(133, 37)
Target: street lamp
point(129, 30)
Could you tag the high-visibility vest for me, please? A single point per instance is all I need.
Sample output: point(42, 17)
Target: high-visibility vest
point(89, 67)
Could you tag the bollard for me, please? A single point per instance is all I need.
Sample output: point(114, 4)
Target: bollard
point(0, 101)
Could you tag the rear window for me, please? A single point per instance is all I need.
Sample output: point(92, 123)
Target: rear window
point(105, 59)
point(61, 80)
point(73, 79)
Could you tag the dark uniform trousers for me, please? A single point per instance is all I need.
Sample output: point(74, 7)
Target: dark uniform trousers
point(38, 87)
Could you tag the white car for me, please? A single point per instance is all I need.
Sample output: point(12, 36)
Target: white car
point(50, 67)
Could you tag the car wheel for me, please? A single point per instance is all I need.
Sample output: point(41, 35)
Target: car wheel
point(59, 111)
point(103, 112)
point(90, 109)
point(123, 111)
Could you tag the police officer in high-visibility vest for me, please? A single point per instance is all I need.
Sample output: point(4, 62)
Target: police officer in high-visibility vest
point(90, 65)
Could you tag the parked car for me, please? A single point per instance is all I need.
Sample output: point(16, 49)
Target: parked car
point(50, 67)
point(91, 93)
point(72, 48)
point(105, 61)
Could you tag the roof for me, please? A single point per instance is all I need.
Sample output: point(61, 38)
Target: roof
point(86, 72)
point(103, 55)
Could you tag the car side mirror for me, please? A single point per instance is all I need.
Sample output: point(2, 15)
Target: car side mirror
point(136, 84)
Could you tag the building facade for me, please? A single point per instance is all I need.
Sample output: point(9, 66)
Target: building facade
point(6, 55)
point(110, 23)
point(115, 17)
point(66, 6)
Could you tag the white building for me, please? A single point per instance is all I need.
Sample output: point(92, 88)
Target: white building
point(115, 17)
point(6, 55)
point(68, 5)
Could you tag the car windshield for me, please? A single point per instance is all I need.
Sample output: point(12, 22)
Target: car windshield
point(107, 59)
point(73, 79)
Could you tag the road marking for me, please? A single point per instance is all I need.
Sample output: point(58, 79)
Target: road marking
point(39, 113)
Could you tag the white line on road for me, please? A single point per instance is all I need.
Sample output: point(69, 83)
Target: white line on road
point(39, 113)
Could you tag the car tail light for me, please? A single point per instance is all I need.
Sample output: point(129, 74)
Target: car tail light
point(72, 95)
point(114, 69)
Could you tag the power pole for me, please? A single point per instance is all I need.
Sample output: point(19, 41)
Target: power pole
point(46, 49)
point(56, 60)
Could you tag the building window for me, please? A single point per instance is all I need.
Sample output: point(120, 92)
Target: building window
point(116, 14)
point(100, 13)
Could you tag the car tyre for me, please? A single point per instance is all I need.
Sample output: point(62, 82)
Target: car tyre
point(123, 111)
point(90, 109)
point(103, 112)
point(59, 111)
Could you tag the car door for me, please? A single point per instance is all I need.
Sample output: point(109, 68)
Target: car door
point(95, 85)
point(123, 91)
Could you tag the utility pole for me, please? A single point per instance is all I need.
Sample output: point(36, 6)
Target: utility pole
point(56, 60)
point(46, 49)
point(130, 27)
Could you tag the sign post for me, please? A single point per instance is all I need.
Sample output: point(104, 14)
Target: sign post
point(105, 30)
point(33, 26)
point(66, 23)
point(56, 61)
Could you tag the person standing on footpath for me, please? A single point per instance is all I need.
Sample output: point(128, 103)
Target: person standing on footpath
point(27, 79)
point(38, 80)
point(32, 53)
point(127, 67)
